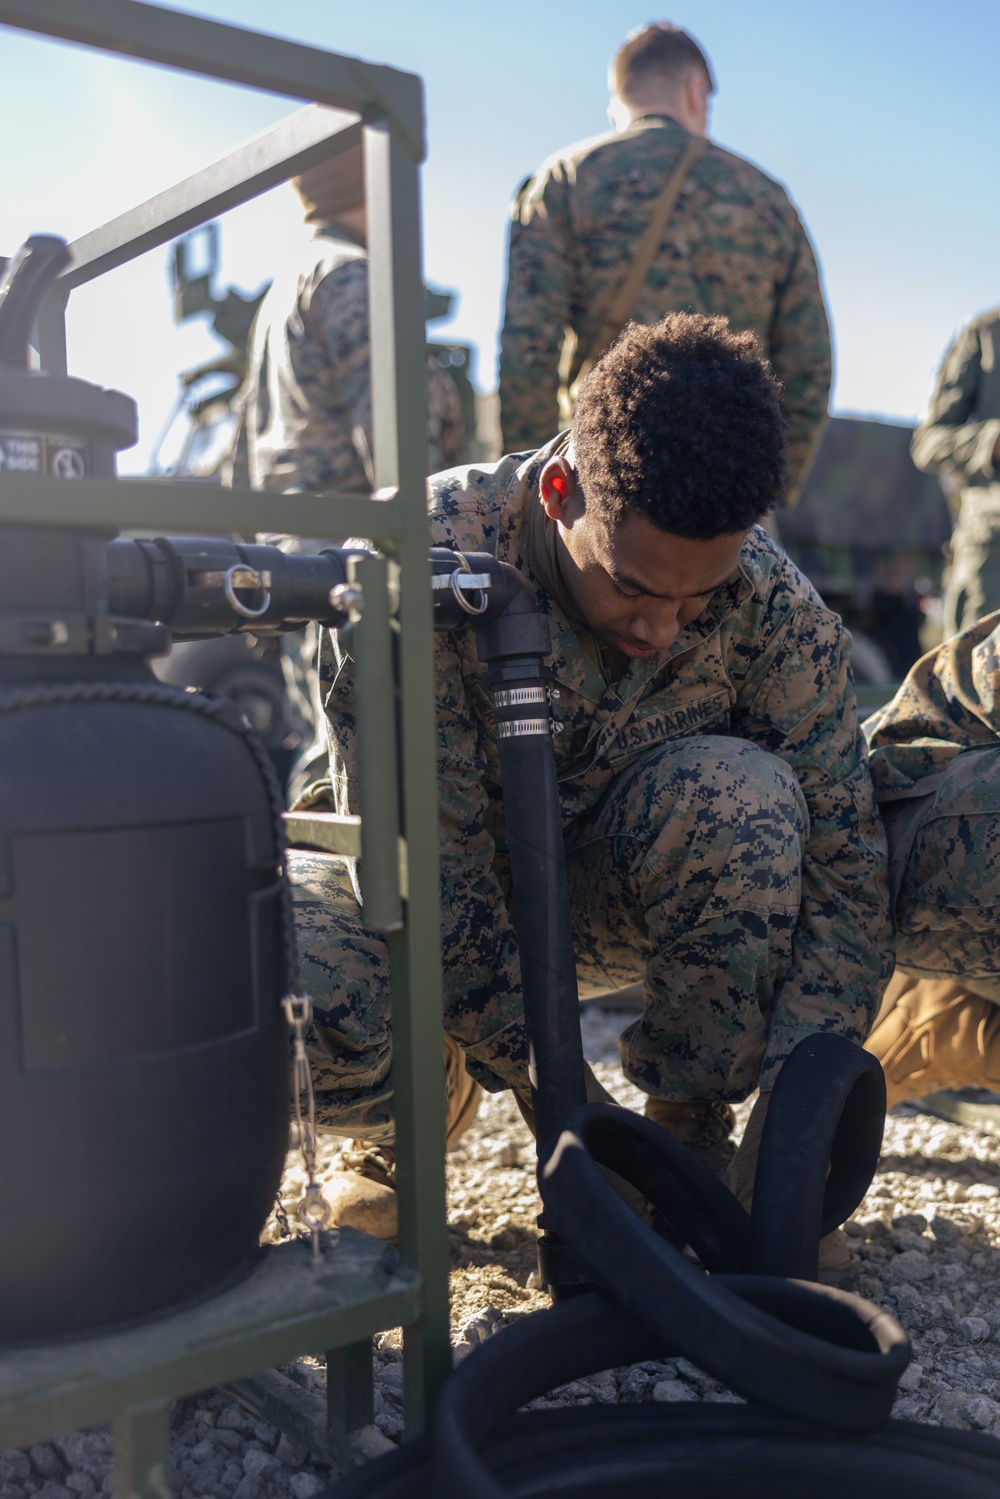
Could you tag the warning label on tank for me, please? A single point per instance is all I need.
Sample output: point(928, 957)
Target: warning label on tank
point(44, 453)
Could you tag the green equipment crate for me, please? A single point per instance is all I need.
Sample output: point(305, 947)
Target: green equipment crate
point(287, 1307)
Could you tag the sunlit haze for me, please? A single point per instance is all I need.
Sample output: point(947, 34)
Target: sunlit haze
point(880, 119)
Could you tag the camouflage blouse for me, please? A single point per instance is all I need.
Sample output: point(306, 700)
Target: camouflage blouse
point(765, 662)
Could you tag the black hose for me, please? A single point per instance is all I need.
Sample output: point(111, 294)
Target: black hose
point(515, 646)
point(842, 1369)
point(685, 1192)
point(819, 1150)
point(482, 1450)
point(689, 1451)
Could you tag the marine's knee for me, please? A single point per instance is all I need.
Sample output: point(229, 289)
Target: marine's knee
point(345, 967)
point(729, 822)
point(723, 783)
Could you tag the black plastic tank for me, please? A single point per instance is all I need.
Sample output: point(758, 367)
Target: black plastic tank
point(145, 936)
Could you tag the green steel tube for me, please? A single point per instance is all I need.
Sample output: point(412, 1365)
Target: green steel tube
point(377, 748)
point(400, 430)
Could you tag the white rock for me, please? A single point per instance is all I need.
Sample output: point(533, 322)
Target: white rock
point(673, 1389)
point(603, 1387)
point(289, 1452)
point(368, 1440)
point(260, 1464)
point(980, 1411)
point(46, 1461)
point(911, 1377)
point(973, 1329)
point(305, 1485)
point(235, 1418)
point(981, 1192)
point(911, 1265)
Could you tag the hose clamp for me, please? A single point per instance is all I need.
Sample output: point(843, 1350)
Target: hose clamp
point(518, 728)
point(513, 697)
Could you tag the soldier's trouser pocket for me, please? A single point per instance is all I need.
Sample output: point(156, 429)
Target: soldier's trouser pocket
point(688, 876)
point(944, 853)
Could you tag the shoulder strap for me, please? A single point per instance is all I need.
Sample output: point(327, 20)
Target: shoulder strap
point(624, 300)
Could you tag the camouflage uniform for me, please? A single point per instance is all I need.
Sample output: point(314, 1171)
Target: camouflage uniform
point(722, 838)
point(734, 245)
point(957, 439)
point(935, 759)
point(306, 421)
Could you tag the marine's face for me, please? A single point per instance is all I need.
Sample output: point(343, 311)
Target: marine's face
point(635, 586)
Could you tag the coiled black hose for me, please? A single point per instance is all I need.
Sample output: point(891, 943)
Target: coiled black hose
point(802, 1350)
point(819, 1150)
point(481, 1450)
point(818, 1153)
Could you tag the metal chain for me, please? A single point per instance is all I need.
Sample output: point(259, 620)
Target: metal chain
point(313, 1212)
point(281, 1214)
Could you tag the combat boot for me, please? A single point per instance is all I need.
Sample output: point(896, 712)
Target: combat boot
point(704, 1126)
point(363, 1194)
point(935, 1033)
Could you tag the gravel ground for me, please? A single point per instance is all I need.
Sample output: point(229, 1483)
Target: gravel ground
point(926, 1241)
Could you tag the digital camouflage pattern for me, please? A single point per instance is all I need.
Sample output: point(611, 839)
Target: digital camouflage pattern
point(957, 439)
point(345, 971)
point(306, 410)
point(734, 246)
point(935, 759)
point(721, 833)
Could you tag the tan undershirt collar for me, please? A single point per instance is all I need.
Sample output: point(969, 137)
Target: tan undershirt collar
point(542, 554)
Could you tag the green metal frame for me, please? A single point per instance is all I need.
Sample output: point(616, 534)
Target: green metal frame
point(130, 1377)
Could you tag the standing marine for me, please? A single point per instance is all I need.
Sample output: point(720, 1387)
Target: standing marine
point(652, 218)
point(306, 406)
point(959, 439)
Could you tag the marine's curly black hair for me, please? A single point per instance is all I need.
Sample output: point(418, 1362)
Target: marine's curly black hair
point(683, 421)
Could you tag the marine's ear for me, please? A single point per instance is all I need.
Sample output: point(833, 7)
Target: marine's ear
point(557, 487)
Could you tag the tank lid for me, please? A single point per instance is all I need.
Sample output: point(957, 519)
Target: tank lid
point(40, 401)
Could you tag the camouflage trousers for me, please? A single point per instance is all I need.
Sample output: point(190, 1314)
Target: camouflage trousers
point(972, 579)
point(686, 876)
point(944, 873)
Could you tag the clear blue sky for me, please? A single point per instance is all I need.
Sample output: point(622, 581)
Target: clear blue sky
point(882, 119)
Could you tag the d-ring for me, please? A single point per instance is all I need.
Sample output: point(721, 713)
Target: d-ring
point(235, 579)
point(456, 588)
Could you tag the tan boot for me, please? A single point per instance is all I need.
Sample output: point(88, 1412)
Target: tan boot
point(363, 1195)
point(462, 1093)
point(704, 1126)
point(596, 1093)
point(935, 1033)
